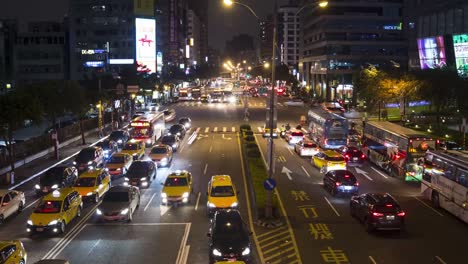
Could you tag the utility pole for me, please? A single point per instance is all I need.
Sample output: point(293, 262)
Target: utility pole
point(271, 115)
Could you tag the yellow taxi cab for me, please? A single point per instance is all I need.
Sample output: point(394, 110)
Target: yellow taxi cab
point(221, 194)
point(329, 160)
point(12, 252)
point(55, 210)
point(135, 148)
point(161, 155)
point(118, 164)
point(93, 184)
point(177, 187)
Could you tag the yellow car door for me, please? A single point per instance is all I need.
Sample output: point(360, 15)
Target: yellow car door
point(319, 160)
point(104, 183)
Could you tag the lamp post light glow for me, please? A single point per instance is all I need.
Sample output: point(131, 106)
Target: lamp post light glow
point(228, 2)
point(323, 4)
point(266, 65)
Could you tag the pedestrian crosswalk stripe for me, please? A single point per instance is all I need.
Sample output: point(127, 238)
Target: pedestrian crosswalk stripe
point(207, 130)
point(198, 130)
point(233, 129)
point(224, 129)
point(260, 129)
point(215, 129)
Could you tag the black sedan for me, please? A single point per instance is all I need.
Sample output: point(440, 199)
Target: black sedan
point(171, 140)
point(353, 156)
point(109, 147)
point(228, 237)
point(340, 181)
point(378, 211)
point(186, 122)
point(178, 130)
point(119, 136)
point(56, 178)
point(141, 173)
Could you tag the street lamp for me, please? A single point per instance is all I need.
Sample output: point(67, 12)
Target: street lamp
point(321, 4)
point(99, 107)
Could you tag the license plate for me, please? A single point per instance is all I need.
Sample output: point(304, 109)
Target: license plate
point(39, 229)
point(355, 159)
point(390, 217)
point(348, 187)
point(134, 183)
point(44, 190)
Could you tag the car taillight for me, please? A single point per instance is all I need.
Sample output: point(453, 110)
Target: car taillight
point(376, 214)
point(363, 156)
point(346, 156)
point(401, 214)
point(357, 184)
point(338, 183)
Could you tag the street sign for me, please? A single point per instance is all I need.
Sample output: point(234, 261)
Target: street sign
point(132, 88)
point(269, 184)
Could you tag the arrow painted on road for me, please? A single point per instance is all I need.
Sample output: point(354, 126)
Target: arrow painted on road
point(228, 138)
point(163, 209)
point(364, 173)
point(287, 171)
point(201, 136)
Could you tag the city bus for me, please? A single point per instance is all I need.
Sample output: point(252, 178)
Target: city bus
point(329, 130)
point(395, 148)
point(445, 181)
point(148, 128)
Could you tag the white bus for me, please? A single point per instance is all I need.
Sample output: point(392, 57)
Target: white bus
point(329, 130)
point(445, 181)
point(148, 128)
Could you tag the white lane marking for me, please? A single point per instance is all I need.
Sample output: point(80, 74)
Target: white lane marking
point(373, 260)
point(364, 173)
point(440, 259)
point(207, 129)
point(332, 207)
point(163, 209)
point(379, 172)
point(206, 167)
point(150, 200)
point(290, 151)
point(181, 149)
point(198, 200)
point(215, 129)
point(69, 234)
point(308, 175)
point(198, 130)
point(224, 129)
point(211, 148)
point(233, 129)
point(183, 243)
point(67, 242)
point(185, 255)
point(135, 224)
point(260, 129)
point(31, 204)
point(428, 206)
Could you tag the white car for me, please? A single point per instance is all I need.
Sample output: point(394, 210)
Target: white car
point(306, 148)
point(294, 102)
point(169, 115)
point(11, 202)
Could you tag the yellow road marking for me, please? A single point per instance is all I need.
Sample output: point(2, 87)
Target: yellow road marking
point(276, 248)
point(273, 236)
point(279, 240)
point(279, 253)
point(271, 232)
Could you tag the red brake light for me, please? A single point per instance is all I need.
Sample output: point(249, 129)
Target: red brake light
point(338, 183)
point(346, 176)
point(401, 213)
point(388, 205)
point(347, 156)
point(357, 184)
point(49, 203)
point(363, 156)
point(377, 214)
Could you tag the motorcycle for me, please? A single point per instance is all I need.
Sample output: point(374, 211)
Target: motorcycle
point(284, 130)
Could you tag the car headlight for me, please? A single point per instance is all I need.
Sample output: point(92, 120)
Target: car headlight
point(185, 195)
point(169, 134)
point(37, 186)
point(164, 160)
point(246, 251)
point(126, 179)
point(187, 125)
point(120, 141)
point(234, 204)
point(178, 133)
point(174, 145)
point(53, 222)
point(106, 151)
point(118, 169)
point(148, 141)
point(30, 222)
point(90, 162)
point(55, 186)
point(74, 163)
point(212, 205)
point(99, 212)
point(89, 194)
point(143, 178)
point(134, 154)
point(216, 252)
point(164, 195)
point(124, 211)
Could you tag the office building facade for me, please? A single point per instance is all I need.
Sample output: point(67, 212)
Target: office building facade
point(8, 29)
point(289, 45)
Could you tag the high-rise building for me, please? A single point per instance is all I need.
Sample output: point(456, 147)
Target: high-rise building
point(200, 7)
point(41, 52)
point(192, 47)
point(289, 45)
point(8, 29)
point(338, 40)
point(266, 38)
point(433, 23)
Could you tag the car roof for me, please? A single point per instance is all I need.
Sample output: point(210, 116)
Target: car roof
point(332, 153)
point(91, 173)
point(58, 195)
point(383, 198)
point(120, 154)
point(228, 215)
point(179, 173)
point(221, 180)
point(4, 191)
point(120, 188)
point(343, 172)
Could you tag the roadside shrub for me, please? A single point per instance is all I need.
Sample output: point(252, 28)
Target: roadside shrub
point(253, 153)
point(248, 133)
point(245, 126)
point(249, 138)
point(251, 145)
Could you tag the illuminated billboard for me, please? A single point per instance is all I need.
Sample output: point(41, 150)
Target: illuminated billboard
point(145, 38)
point(432, 52)
point(460, 46)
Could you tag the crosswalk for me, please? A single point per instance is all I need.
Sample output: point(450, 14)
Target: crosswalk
point(199, 104)
point(229, 130)
point(277, 246)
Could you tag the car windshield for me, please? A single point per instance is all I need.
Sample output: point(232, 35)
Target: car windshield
point(297, 134)
point(387, 208)
point(116, 159)
point(159, 150)
point(168, 140)
point(131, 147)
point(138, 169)
point(335, 159)
point(85, 155)
point(175, 129)
point(85, 182)
point(176, 181)
point(48, 207)
point(116, 197)
point(222, 191)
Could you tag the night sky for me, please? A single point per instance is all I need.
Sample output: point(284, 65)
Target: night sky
point(223, 22)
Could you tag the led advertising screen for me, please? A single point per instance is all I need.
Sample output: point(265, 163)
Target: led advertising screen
point(432, 52)
point(460, 46)
point(145, 44)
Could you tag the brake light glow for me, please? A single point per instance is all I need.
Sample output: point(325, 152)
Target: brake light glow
point(377, 214)
point(346, 176)
point(363, 156)
point(357, 184)
point(347, 156)
point(338, 183)
point(401, 213)
point(388, 205)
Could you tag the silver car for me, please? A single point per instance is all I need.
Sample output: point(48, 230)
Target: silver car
point(119, 203)
point(11, 202)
